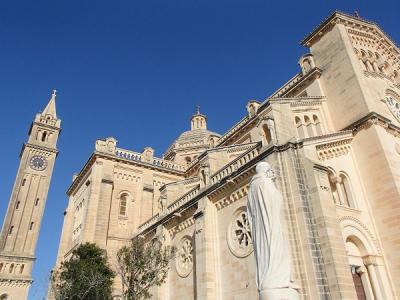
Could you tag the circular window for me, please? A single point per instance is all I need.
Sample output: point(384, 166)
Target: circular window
point(239, 235)
point(184, 257)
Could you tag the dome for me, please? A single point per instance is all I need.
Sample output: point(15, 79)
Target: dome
point(195, 136)
point(197, 139)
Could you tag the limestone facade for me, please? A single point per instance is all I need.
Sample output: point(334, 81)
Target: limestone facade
point(332, 135)
point(28, 199)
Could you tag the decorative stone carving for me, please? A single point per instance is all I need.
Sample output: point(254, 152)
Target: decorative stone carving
point(239, 235)
point(107, 145)
point(204, 175)
point(148, 154)
point(252, 107)
point(162, 203)
point(184, 257)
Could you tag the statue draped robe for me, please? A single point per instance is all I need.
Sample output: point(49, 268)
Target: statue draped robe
point(265, 213)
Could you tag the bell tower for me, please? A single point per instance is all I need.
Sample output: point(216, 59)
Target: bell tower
point(27, 202)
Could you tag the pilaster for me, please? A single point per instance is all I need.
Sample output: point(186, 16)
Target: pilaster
point(206, 251)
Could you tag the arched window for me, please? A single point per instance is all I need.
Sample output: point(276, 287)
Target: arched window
point(307, 121)
point(44, 136)
point(346, 191)
point(1, 268)
point(299, 126)
point(11, 269)
point(122, 204)
point(267, 134)
point(21, 270)
point(317, 124)
point(36, 201)
point(17, 205)
point(11, 230)
point(23, 182)
point(31, 225)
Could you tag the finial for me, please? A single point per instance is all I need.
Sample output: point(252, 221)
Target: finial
point(197, 109)
point(356, 14)
point(54, 94)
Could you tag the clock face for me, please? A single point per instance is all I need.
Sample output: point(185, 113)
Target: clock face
point(38, 163)
point(394, 106)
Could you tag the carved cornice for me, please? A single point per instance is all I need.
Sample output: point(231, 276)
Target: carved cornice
point(233, 197)
point(37, 147)
point(5, 282)
point(182, 225)
point(332, 150)
point(375, 119)
point(346, 19)
point(300, 81)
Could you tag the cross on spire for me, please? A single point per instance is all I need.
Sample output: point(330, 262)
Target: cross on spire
point(198, 109)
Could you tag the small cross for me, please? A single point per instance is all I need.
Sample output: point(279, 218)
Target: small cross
point(198, 109)
point(54, 93)
point(356, 14)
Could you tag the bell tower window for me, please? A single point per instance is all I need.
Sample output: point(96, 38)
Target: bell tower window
point(44, 135)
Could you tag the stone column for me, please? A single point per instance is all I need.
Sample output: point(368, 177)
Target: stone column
point(206, 253)
point(365, 282)
point(370, 262)
point(339, 189)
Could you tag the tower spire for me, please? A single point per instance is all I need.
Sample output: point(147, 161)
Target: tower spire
point(50, 108)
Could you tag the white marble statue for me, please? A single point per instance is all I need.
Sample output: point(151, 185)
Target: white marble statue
point(271, 250)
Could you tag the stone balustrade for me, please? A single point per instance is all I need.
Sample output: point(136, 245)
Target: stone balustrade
point(218, 176)
point(235, 165)
point(183, 199)
point(158, 162)
point(148, 223)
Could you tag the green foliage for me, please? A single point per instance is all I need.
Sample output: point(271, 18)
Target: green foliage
point(142, 266)
point(86, 276)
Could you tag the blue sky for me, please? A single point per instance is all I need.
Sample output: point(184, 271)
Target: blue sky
point(135, 70)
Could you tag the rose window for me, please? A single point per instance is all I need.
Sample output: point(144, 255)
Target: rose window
point(239, 235)
point(184, 257)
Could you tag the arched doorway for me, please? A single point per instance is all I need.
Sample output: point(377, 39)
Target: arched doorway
point(366, 264)
point(358, 270)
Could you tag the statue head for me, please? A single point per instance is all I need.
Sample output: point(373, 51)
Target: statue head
point(263, 167)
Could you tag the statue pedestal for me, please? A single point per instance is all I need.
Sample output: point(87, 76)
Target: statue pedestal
point(279, 294)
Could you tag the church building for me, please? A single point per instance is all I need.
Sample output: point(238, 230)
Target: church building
point(332, 136)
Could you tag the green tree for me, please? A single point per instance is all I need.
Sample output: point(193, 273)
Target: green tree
point(141, 266)
point(85, 276)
